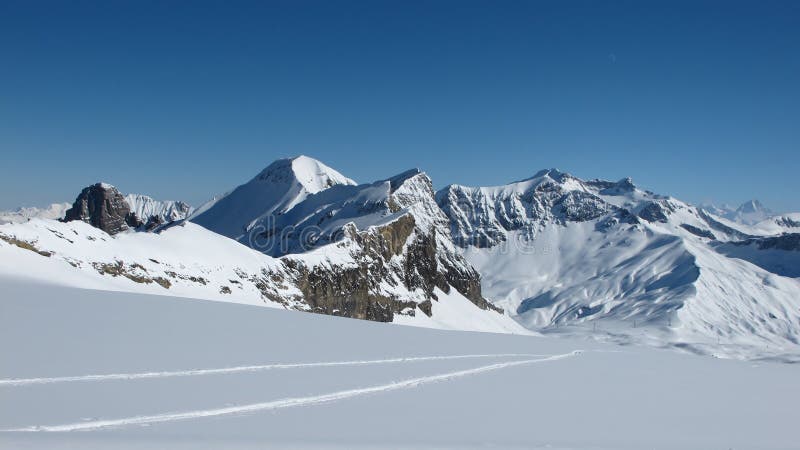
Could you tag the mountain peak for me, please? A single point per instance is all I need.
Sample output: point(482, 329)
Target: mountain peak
point(102, 206)
point(276, 189)
point(313, 175)
point(750, 213)
point(397, 180)
point(552, 173)
point(752, 206)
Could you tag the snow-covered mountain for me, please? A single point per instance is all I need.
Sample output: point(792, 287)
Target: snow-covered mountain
point(754, 219)
point(274, 190)
point(750, 212)
point(717, 210)
point(559, 251)
point(54, 211)
point(149, 210)
point(393, 249)
point(386, 263)
point(554, 253)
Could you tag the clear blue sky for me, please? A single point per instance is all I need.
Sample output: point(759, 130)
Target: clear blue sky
point(182, 100)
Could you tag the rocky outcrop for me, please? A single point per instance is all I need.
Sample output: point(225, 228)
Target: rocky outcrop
point(656, 211)
point(102, 206)
point(786, 242)
point(698, 231)
point(787, 222)
point(394, 269)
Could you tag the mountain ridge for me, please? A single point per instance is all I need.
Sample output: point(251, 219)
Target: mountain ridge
point(553, 251)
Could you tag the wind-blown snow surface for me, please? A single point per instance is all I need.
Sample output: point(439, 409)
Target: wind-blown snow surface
point(342, 383)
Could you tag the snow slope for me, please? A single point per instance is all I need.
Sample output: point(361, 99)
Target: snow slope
point(618, 263)
point(327, 382)
point(189, 261)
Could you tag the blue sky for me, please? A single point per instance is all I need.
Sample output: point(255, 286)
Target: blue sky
point(182, 100)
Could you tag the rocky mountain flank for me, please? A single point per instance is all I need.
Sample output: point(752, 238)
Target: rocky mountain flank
point(367, 251)
point(557, 253)
point(373, 251)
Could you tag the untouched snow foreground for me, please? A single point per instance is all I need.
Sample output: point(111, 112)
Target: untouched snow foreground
point(103, 370)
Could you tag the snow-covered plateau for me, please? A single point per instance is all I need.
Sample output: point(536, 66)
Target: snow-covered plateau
point(94, 369)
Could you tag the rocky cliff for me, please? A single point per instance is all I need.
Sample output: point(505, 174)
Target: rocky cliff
point(102, 206)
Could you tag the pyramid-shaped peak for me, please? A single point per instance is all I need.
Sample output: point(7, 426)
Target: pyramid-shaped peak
point(312, 174)
point(553, 174)
point(752, 206)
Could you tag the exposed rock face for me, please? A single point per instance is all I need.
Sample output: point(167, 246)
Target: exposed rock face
point(484, 217)
point(787, 222)
point(394, 269)
point(353, 289)
point(102, 206)
point(698, 231)
point(787, 242)
point(655, 212)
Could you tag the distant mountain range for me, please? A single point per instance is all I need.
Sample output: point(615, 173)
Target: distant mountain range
point(550, 254)
point(750, 212)
point(54, 211)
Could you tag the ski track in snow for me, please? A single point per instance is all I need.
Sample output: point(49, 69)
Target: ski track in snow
point(240, 369)
point(285, 403)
